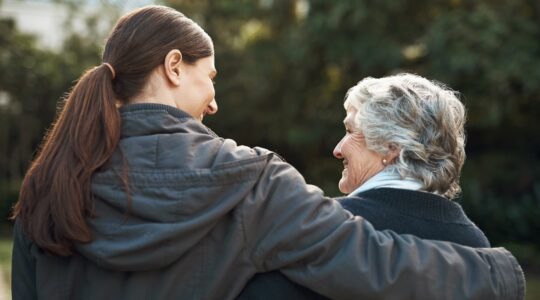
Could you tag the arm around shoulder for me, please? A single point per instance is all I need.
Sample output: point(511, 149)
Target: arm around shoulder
point(314, 242)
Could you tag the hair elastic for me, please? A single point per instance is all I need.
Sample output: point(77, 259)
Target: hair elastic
point(110, 68)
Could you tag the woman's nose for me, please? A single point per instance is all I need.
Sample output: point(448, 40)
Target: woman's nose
point(212, 107)
point(337, 151)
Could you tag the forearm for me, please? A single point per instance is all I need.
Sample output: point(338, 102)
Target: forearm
point(384, 265)
point(314, 242)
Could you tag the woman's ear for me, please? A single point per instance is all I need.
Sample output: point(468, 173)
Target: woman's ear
point(393, 152)
point(172, 66)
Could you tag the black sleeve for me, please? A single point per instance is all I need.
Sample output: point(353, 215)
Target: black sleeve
point(23, 268)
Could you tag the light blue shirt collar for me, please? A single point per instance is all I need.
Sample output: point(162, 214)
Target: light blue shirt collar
point(388, 178)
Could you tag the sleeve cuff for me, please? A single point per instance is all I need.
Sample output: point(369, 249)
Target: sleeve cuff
point(511, 275)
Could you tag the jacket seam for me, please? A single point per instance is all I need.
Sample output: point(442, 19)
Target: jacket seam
point(220, 167)
point(242, 162)
point(199, 177)
point(193, 180)
point(156, 152)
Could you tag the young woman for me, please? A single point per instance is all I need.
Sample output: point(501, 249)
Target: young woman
point(132, 197)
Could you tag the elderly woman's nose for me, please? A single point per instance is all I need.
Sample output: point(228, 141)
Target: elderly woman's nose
point(212, 107)
point(337, 150)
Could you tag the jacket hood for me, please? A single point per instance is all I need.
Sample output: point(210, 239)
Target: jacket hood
point(182, 179)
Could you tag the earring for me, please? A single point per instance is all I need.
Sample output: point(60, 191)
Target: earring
point(384, 161)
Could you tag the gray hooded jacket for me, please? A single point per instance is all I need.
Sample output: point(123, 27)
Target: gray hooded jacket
point(207, 214)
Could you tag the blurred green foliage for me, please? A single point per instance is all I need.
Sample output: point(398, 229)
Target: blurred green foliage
point(32, 81)
point(285, 66)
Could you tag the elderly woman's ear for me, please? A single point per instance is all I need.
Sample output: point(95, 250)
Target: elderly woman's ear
point(392, 154)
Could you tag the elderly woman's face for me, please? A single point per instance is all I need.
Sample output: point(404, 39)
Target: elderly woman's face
point(359, 162)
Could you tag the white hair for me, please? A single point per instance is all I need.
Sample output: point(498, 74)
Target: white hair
point(423, 119)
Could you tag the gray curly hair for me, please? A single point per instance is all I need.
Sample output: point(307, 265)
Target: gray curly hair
point(423, 119)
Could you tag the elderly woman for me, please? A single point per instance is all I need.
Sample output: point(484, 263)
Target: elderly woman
point(402, 155)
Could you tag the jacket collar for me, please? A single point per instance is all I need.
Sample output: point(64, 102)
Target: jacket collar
point(137, 107)
point(152, 118)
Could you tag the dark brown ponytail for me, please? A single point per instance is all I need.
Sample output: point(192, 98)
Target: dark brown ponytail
point(55, 199)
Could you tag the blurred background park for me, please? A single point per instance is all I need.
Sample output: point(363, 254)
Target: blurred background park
point(284, 68)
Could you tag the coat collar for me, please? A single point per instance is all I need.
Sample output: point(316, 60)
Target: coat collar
point(152, 118)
